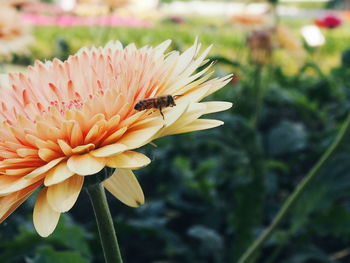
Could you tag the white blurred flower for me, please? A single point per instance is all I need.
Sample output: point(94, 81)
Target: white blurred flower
point(313, 36)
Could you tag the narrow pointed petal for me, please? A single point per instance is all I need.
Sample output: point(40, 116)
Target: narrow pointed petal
point(194, 111)
point(125, 187)
point(219, 83)
point(45, 219)
point(195, 94)
point(85, 164)
point(173, 114)
point(216, 106)
point(63, 196)
point(200, 124)
point(58, 174)
point(128, 160)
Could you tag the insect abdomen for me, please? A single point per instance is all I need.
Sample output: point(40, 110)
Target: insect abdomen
point(145, 104)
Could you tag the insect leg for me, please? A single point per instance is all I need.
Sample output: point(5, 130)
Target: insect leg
point(160, 109)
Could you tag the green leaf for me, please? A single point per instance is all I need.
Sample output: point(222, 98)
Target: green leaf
point(27, 242)
point(48, 255)
point(287, 137)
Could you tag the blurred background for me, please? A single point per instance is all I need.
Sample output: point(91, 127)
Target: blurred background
point(209, 194)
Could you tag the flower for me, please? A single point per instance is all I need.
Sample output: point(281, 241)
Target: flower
point(260, 44)
point(249, 19)
point(286, 40)
point(15, 36)
point(62, 121)
point(177, 19)
point(329, 21)
point(73, 21)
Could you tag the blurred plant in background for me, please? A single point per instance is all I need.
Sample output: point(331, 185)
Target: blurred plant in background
point(260, 46)
point(18, 4)
point(249, 20)
point(15, 36)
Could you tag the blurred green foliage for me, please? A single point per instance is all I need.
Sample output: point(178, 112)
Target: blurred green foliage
point(210, 193)
point(229, 41)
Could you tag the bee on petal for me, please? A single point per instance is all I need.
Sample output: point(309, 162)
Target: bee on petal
point(156, 103)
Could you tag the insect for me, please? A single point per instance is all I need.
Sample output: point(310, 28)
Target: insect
point(156, 103)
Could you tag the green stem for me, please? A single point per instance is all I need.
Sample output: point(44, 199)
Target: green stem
point(2, 68)
point(258, 94)
point(105, 224)
point(254, 248)
point(275, 16)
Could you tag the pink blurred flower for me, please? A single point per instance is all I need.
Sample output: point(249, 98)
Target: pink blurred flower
point(69, 20)
point(177, 19)
point(43, 8)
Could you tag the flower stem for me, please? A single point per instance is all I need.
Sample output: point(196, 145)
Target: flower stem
point(247, 257)
point(259, 96)
point(105, 224)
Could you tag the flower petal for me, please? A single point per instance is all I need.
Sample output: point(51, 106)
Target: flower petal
point(218, 83)
point(11, 184)
point(65, 147)
point(58, 174)
point(140, 136)
point(173, 114)
point(43, 169)
point(24, 152)
point(85, 164)
point(8, 209)
point(128, 160)
point(194, 95)
point(83, 148)
point(216, 106)
point(63, 196)
point(125, 187)
point(76, 135)
point(200, 124)
point(45, 219)
point(114, 136)
point(109, 150)
point(194, 111)
point(19, 171)
point(10, 202)
point(48, 155)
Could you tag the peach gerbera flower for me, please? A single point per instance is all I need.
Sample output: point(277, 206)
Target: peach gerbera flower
point(62, 121)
